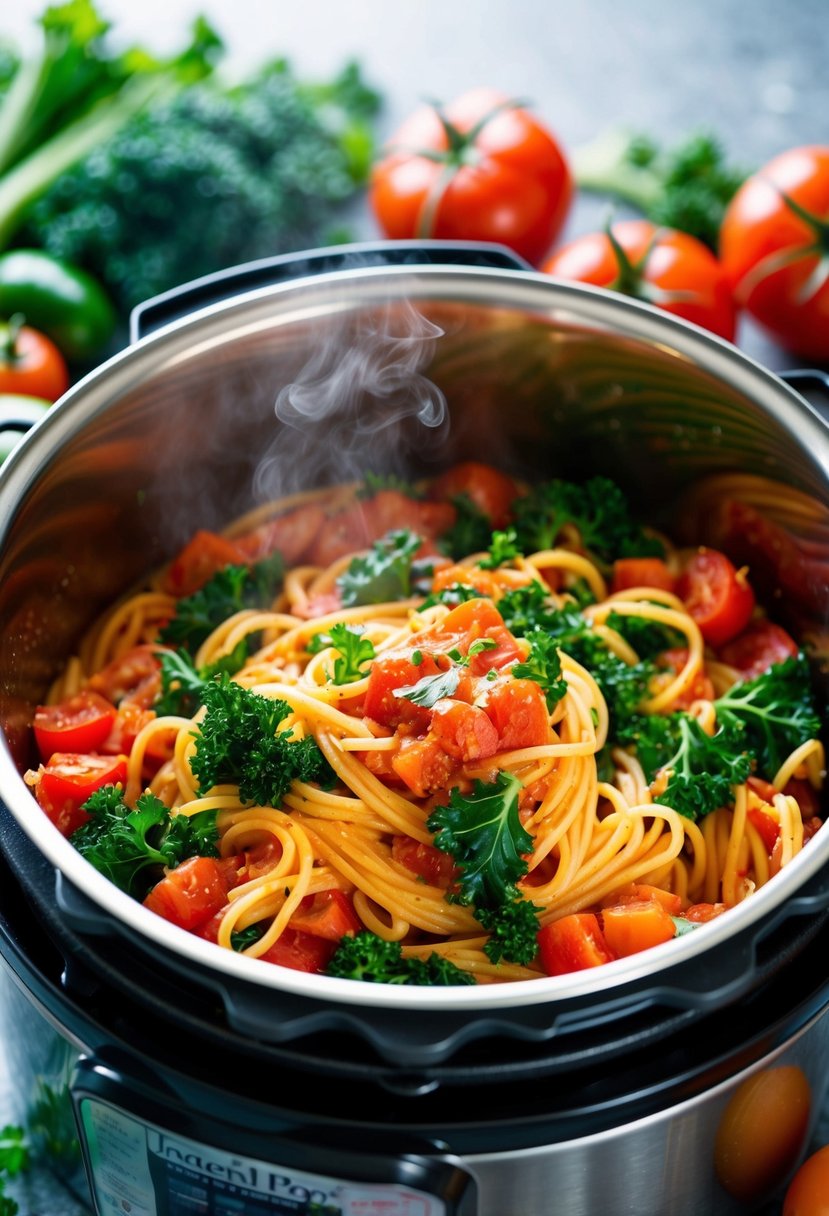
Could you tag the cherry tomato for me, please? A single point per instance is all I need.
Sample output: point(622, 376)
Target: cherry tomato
point(659, 265)
point(808, 1192)
point(65, 783)
point(30, 363)
point(773, 242)
point(79, 724)
point(479, 169)
point(757, 647)
point(717, 595)
point(491, 491)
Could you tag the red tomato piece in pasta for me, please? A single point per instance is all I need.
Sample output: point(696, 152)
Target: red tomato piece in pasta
point(425, 860)
point(134, 676)
point(717, 595)
point(291, 535)
point(328, 914)
point(191, 893)
point(518, 711)
point(79, 724)
point(423, 765)
point(642, 572)
point(300, 951)
point(573, 943)
point(757, 648)
point(487, 488)
point(199, 560)
point(465, 732)
point(64, 784)
point(635, 925)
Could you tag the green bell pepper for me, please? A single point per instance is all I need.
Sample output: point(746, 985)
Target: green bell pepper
point(61, 300)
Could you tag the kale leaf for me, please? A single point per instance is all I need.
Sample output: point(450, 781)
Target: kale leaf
point(775, 712)
point(130, 846)
point(367, 957)
point(239, 742)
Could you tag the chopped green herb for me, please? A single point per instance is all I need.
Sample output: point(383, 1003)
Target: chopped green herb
point(354, 649)
point(382, 575)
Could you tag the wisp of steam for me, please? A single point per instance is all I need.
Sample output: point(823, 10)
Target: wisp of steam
point(361, 401)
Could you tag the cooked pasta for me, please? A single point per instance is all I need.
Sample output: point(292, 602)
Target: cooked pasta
point(440, 726)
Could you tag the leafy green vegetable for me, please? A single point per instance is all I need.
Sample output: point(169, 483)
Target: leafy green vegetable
point(182, 683)
point(471, 531)
point(74, 95)
point(239, 742)
point(355, 650)
point(369, 958)
point(227, 592)
point(483, 833)
point(382, 575)
point(130, 846)
point(543, 665)
point(512, 929)
point(502, 549)
point(14, 1157)
point(687, 186)
point(431, 689)
point(212, 177)
point(647, 637)
point(597, 509)
point(702, 768)
point(775, 711)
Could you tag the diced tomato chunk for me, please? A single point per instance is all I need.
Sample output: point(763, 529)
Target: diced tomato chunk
point(767, 827)
point(464, 731)
point(700, 914)
point(300, 951)
point(203, 556)
point(65, 783)
point(425, 860)
point(386, 676)
point(636, 924)
point(423, 765)
point(573, 943)
point(328, 914)
point(637, 891)
point(642, 572)
point(191, 893)
point(518, 711)
point(79, 724)
point(490, 490)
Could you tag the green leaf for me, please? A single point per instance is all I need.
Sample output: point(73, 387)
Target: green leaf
point(431, 689)
point(382, 575)
point(355, 651)
point(543, 665)
point(14, 1151)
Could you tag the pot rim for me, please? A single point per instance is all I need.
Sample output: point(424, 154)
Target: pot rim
point(532, 292)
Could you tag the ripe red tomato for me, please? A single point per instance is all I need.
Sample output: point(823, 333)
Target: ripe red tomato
point(492, 491)
point(80, 724)
point(658, 265)
point(808, 1193)
point(192, 893)
point(573, 943)
point(717, 595)
point(760, 645)
point(773, 249)
point(479, 169)
point(65, 783)
point(31, 364)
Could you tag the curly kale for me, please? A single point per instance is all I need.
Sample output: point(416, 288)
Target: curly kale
point(597, 509)
point(483, 833)
point(369, 958)
point(227, 592)
point(130, 846)
point(239, 742)
point(210, 178)
point(775, 712)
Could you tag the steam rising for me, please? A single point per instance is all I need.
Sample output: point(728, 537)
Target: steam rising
point(360, 402)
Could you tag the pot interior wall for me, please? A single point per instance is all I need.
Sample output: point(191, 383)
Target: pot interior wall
point(206, 421)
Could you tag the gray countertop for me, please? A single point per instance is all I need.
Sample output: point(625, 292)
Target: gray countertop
point(755, 73)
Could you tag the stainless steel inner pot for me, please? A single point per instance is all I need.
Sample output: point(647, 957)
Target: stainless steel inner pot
point(402, 368)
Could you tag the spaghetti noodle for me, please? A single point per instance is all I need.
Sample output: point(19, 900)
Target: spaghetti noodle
point(421, 707)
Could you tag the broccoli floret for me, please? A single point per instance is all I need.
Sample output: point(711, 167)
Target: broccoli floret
point(687, 186)
point(211, 178)
point(369, 958)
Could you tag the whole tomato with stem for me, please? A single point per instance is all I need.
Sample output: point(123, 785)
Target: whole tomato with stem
point(774, 247)
point(30, 363)
point(658, 265)
point(479, 169)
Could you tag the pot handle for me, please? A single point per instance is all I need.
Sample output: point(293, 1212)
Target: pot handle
point(179, 302)
point(804, 379)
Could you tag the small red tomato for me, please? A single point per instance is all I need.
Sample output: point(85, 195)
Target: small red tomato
point(479, 169)
point(717, 595)
point(808, 1193)
point(773, 249)
point(491, 491)
point(759, 646)
point(79, 724)
point(658, 265)
point(30, 363)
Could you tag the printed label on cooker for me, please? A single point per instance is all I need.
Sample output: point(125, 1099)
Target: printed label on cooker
point(141, 1170)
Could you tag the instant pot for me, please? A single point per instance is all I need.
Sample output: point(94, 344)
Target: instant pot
point(196, 1081)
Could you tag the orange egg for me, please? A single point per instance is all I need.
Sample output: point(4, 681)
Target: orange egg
point(762, 1132)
